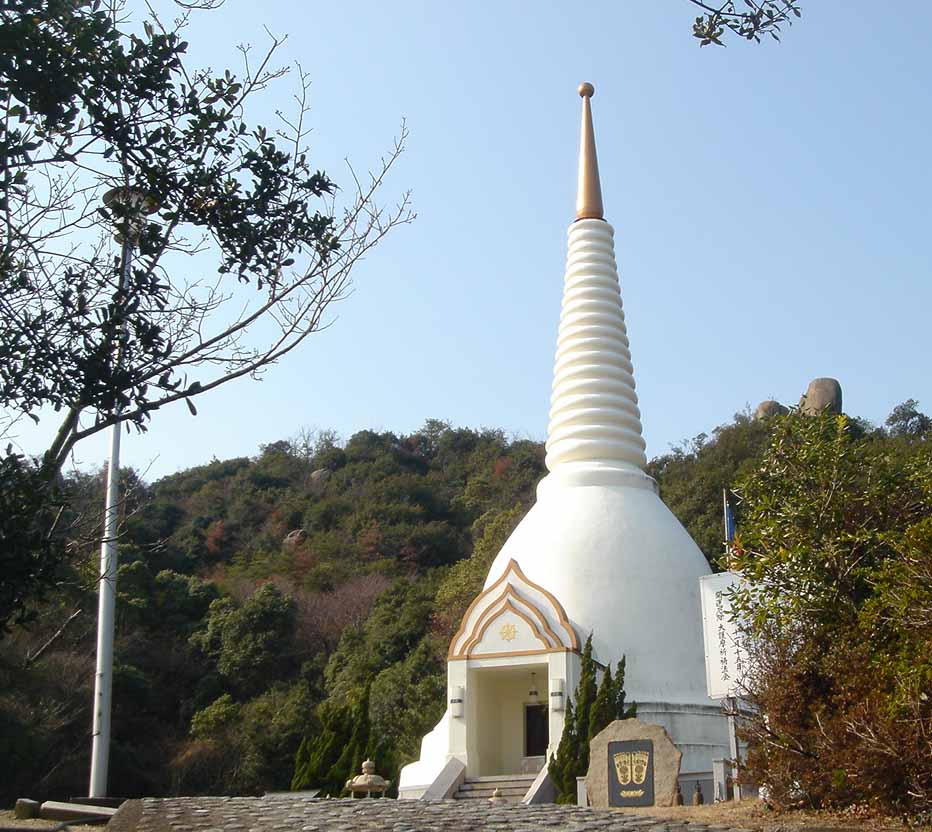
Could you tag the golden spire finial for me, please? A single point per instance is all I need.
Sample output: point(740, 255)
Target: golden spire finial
point(589, 193)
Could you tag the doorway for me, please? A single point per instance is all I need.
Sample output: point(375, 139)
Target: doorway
point(505, 732)
point(536, 732)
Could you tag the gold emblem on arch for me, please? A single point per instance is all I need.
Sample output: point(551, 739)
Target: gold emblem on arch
point(508, 632)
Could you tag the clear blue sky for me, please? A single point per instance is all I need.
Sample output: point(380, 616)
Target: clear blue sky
point(771, 207)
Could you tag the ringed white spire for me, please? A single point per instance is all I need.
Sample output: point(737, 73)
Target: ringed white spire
point(595, 424)
point(598, 555)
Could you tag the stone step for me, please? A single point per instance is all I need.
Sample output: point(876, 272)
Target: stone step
point(511, 787)
point(56, 810)
point(517, 791)
point(485, 798)
point(497, 778)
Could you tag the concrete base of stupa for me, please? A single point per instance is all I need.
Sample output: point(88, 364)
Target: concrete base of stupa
point(700, 732)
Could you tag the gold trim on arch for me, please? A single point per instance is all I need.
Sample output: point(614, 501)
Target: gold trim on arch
point(515, 569)
point(496, 607)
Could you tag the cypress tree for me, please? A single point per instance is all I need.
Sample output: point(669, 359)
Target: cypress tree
point(320, 753)
point(603, 709)
point(381, 752)
point(350, 761)
point(587, 713)
point(301, 760)
point(585, 697)
point(562, 768)
point(621, 712)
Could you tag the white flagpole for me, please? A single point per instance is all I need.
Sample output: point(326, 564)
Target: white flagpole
point(106, 608)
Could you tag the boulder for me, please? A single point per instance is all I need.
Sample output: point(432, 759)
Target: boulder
point(822, 394)
point(632, 763)
point(26, 808)
point(317, 481)
point(768, 408)
point(294, 538)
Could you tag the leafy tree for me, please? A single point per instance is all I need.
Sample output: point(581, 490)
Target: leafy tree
point(609, 703)
point(408, 699)
point(465, 579)
point(99, 337)
point(166, 601)
point(251, 643)
point(125, 111)
point(758, 18)
point(603, 708)
point(907, 420)
point(835, 543)
point(32, 544)
point(349, 763)
point(243, 748)
point(395, 627)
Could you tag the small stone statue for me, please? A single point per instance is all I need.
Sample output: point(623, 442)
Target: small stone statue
point(698, 799)
point(678, 798)
point(367, 782)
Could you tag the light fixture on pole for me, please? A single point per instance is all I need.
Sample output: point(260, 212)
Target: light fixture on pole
point(532, 696)
point(132, 205)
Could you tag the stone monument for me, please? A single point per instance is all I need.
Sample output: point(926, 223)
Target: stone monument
point(632, 763)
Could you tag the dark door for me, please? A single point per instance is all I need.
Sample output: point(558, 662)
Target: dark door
point(535, 730)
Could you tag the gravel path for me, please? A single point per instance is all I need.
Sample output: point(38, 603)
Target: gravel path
point(286, 814)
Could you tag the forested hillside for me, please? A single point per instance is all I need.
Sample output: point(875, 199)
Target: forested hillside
point(274, 603)
point(252, 590)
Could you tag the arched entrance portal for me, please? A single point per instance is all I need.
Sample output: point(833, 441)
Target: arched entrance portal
point(510, 666)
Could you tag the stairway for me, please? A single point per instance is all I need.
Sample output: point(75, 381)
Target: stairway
point(512, 787)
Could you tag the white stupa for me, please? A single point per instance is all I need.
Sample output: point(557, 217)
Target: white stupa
point(598, 553)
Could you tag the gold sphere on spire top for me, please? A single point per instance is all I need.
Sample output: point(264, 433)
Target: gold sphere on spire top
point(586, 90)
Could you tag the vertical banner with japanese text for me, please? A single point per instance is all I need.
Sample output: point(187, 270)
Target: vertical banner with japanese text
point(726, 659)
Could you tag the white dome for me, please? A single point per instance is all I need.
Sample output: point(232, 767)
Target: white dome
point(625, 570)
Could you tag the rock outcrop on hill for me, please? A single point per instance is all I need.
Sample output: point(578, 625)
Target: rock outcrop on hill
point(821, 394)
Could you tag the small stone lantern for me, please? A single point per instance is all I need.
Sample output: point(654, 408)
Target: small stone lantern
point(367, 782)
point(698, 799)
